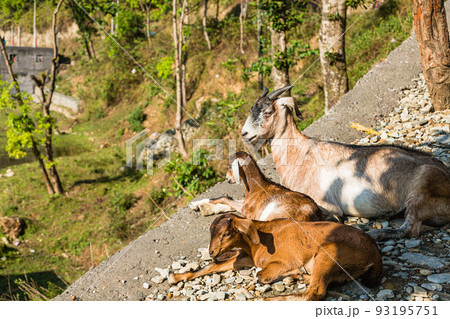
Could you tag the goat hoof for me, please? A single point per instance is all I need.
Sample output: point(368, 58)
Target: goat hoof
point(198, 204)
point(171, 279)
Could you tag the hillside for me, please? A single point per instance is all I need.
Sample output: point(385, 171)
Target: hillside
point(106, 205)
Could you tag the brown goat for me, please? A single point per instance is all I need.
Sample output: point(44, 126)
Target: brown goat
point(329, 252)
point(264, 199)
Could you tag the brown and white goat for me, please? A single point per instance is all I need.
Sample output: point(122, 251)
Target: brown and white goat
point(264, 199)
point(329, 252)
point(364, 181)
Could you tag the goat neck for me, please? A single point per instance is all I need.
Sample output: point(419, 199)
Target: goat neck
point(286, 139)
point(253, 178)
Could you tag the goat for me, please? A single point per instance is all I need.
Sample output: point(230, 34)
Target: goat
point(264, 199)
point(363, 181)
point(328, 251)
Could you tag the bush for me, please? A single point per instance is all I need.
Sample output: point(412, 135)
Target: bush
point(193, 178)
point(136, 118)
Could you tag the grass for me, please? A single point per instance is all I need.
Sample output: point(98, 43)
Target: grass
point(106, 205)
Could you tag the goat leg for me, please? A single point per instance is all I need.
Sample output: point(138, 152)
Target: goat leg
point(215, 206)
point(236, 262)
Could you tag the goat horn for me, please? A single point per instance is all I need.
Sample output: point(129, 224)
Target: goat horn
point(272, 96)
point(266, 90)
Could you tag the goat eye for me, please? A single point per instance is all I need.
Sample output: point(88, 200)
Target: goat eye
point(268, 113)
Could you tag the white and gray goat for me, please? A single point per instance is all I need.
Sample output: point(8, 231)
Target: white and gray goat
point(364, 181)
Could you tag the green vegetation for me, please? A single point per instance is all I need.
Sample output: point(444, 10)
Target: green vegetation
point(107, 204)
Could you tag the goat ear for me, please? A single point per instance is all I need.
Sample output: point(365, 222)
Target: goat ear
point(290, 103)
point(235, 169)
point(246, 227)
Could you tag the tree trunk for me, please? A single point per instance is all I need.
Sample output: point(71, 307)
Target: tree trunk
point(146, 7)
point(54, 176)
point(332, 51)
point(204, 26)
point(242, 16)
point(37, 155)
point(184, 19)
point(280, 74)
point(179, 115)
point(430, 25)
point(260, 46)
point(217, 10)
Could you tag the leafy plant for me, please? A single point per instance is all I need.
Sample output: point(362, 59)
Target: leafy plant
point(136, 118)
point(164, 67)
point(230, 64)
point(190, 177)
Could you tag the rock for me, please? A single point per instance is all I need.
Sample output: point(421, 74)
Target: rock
point(279, 287)
point(204, 297)
point(163, 272)
point(404, 116)
point(146, 285)
point(420, 292)
point(220, 295)
point(245, 272)
point(412, 243)
point(288, 281)
point(385, 294)
point(419, 259)
point(264, 288)
point(241, 297)
point(216, 279)
point(9, 173)
point(239, 280)
point(230, 280)
point(176, 265)
point(439, 278)
point(425, 272)
point(158, 279)
point(387, 249)
point(432, 286)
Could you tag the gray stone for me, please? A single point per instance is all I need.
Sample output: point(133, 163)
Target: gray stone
point(387, 249)
point(264, 288)
point(176, 265)
point(439, 278)
point(163, 272)
point(245, 272)
point(230, 280)
point(221, 295)
point(425, 272)
point(239, 280)
point(420, 292)
point(158, 279)
point(432, 286)
point(241, 297)
point(146, 285)
point(385, 294)
point(216, 279)
point(279, 287)
point(412, 243)
point(421, 260)
point(204, 297)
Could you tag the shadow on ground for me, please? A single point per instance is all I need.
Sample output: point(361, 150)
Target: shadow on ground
point(41, 285)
